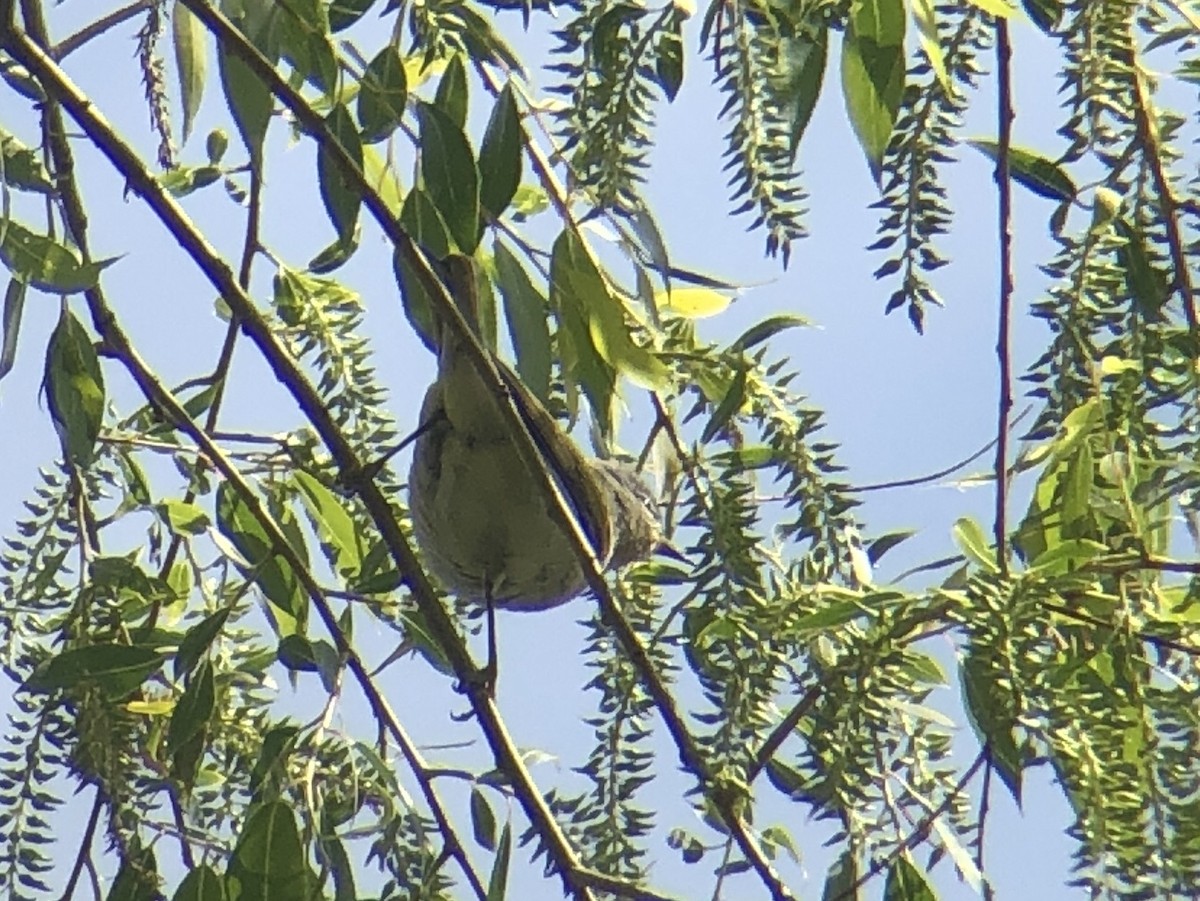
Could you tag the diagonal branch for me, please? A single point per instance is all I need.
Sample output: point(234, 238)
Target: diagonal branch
point(1004, 234)
point(724, 797)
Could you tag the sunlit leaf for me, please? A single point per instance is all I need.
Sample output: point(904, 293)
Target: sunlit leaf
point(191, 62)
point(873, 73)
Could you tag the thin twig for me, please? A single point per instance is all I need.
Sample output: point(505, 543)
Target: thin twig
point(985, 807)
point(1004, 401)
point(85, 846)
point(941, 473)
point(1147, 132)
point(448, 312)
point(916, 836)
point(73, 42)
point(55, 81)
point(1140, 634)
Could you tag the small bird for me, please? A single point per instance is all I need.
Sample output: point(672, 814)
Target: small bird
point(480, 518)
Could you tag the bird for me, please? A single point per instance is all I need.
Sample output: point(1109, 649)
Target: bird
point(481, 519)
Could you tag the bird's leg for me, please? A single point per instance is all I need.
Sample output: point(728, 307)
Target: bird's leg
point(484, 678)
point(491, 668)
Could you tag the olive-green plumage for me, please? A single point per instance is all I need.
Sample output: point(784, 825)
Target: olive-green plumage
point(480, 517)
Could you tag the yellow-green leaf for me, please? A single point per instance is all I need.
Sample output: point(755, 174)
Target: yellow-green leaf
point(693, 303)
point(998, 8)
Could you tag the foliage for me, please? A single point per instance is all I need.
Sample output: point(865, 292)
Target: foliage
point(149, 611)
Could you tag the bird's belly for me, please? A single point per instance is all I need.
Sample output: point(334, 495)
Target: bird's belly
point(487, 520)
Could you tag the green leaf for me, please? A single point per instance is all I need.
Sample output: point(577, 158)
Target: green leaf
point(498, 881)
point(137, 879)
point(1077, 491)
point(925, 16)
point(885, 543)
point(418, 306)
point(842, 880)
point(730, 404)
point(991, 707)
point(277, 747)
point(798, 79)
point(183, 180)
point(43, 262)
point(333, 523)
point(202, 883)
point(191, 62)
point(194, 709)
point(483, 820)
point(452, 95)
point(450, 175)
point(382, 95)
point(1067, 556)
point(1076, 427)
point(528, 316)
point(198, 640)
point(340, 196)
point(249, 101)
point(873, 74)
point(906, 883)
point(1034, 171)
point(1149, 285)
point(10, 323)
point(425, 225)
point(500, 155)
point(74, 389)
point(344, 13)
point(269, 860)
point(573, 269)
point(116, 668)
point(761, 331)
point(1044, 13)
point(299, 33)
point(183, 518)
point(21, 167)
point(297, 654)
point(483, 42)
point(668, 56)
point(269, 570)
point(969, 536)
point(595, 340)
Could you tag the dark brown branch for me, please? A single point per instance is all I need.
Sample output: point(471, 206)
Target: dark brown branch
point(59, 86)
point(448, 312)
point(1148, 138)
point(1004, 402)
point(85, 847)
point(1150, 638)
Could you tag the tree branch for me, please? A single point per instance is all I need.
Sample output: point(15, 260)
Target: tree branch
point(1004, 230)
point(60, 87)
